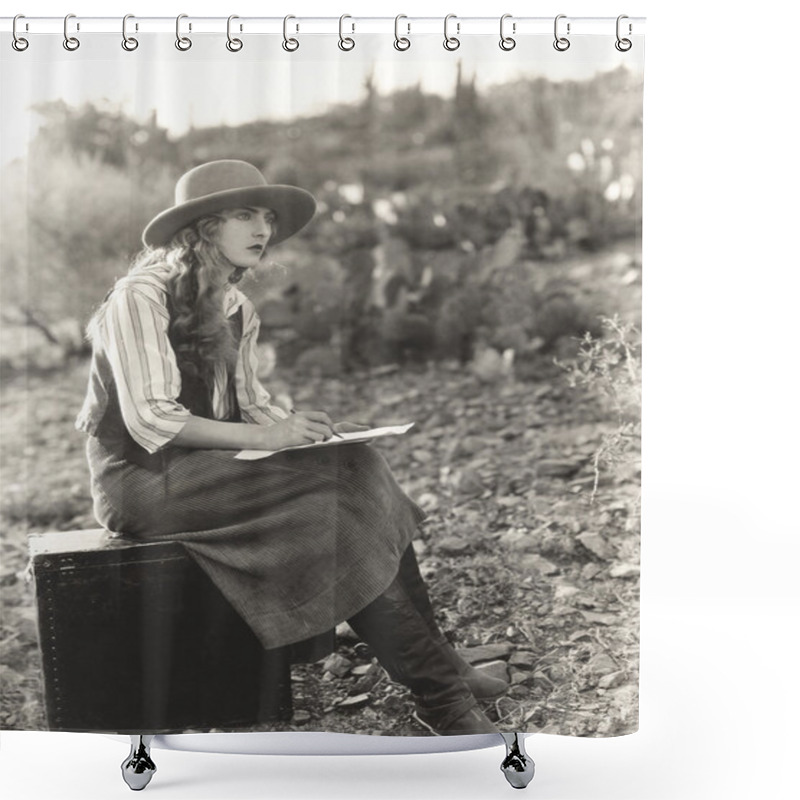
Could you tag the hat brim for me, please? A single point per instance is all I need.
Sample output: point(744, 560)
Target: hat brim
point(293, 207)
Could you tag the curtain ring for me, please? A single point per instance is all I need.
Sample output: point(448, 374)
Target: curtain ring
point(561, 43)
point(234, 45)
point(19, 43)
point(451, 42)
point(346, 42)
point(183, 43)
point(401, 42)
point(623, 45)
point(129, 43)
point(70, 42)
point(506, 42)
point(289, 44)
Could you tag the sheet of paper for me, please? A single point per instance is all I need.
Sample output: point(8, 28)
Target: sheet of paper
point(342, 438)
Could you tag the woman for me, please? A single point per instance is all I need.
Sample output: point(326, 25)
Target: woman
point(299, 541)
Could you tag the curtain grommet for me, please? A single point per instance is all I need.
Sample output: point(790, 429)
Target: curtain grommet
point(71, 43)
point(129, 43)
point(183, 43)
point(561, 43)
point(19, 43)
point(401, 43)
point(346, 43)
point(289, 44)
point(507, 43)
point(623, 44)
point(233, 44)
point(451, 43)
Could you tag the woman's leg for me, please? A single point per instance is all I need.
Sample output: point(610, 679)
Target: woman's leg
point(404, 645)
point(481, 685)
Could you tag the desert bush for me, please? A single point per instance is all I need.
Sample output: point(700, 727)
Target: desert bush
point(609, 369)
point(70, 224)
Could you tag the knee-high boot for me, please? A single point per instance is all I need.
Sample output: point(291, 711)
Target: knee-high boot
point(482, 686)
point(404, 646)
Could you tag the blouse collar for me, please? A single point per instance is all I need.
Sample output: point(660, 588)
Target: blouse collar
point(232, 301)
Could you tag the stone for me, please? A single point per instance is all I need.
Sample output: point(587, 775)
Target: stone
point(601, 664)
point(337, 665)
point(365, 683)
point(468, 482)
point(521, 659)
point(301, 717)
point(564, 590)
point(590, 571)
point(595, 618)
point(453, 546)
point(537, 563)
point(557, 467)
point(515, 540)
point(612, 680)
point(485, 652)
point(625, 571)
point(356, 701)
point(428, 501)
point(596, 545)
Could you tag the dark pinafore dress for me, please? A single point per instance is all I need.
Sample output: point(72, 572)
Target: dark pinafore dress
point(297, 542)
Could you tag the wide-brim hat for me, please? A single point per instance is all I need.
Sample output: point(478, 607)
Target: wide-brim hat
point(212, 187)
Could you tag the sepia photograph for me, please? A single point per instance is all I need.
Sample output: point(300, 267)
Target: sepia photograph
point(321, 387)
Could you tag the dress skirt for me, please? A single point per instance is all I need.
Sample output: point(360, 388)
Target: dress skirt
point(296, 542)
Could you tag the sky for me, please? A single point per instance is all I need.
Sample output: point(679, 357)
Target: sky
point(208, 86)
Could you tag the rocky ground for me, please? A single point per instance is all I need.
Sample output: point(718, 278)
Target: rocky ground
point(532, 568)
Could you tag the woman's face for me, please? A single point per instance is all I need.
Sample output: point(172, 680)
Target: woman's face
point(243, 234)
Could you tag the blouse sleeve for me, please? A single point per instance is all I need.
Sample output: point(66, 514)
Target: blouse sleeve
point(134, 329)
point(254, 399)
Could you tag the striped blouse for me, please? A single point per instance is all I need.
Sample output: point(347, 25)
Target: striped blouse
point(133, 352)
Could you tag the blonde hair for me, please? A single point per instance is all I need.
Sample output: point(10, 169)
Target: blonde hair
point(199, 275)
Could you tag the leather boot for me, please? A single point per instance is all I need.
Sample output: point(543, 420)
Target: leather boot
point(405, 648)
point(482, 686)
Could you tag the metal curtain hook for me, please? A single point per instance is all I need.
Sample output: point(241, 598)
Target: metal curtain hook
point(401, 42)
point(234, 45)
point(506, 42)
point(19, 43)
point(623, 45)
point(451, 42)
point(182, 42)
point(346, 42)
point(561, 43)
point(129, 43)
point(289, 44)
point(70, 42)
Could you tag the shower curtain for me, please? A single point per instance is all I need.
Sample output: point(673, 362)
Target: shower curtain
point(473, 267)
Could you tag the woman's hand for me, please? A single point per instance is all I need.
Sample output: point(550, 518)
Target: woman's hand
point(300, 427)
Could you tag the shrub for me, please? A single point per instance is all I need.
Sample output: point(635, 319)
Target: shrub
point(609, 369)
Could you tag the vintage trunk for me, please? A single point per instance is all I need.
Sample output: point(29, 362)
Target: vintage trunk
point(182, 658)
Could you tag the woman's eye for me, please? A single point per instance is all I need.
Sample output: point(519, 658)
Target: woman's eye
point(243, 215)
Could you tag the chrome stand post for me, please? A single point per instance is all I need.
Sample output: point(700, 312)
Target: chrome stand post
point(138, 768)
point(517, 766)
